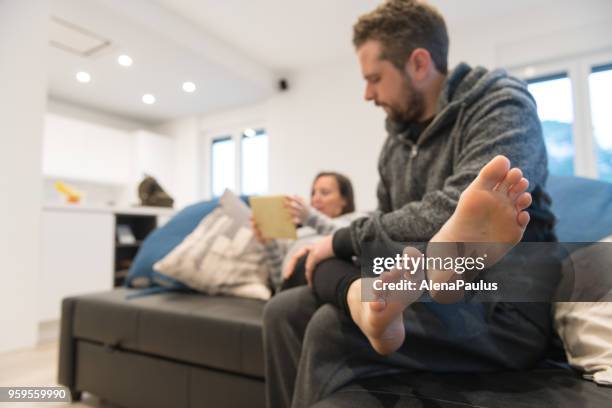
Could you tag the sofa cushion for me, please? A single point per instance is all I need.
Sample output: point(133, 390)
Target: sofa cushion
point(556, 388)
point(212, 331)
point(583, 208)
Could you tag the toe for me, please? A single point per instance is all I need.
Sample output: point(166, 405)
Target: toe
point(512, 177)
point(412, 252)
point(523, 219)
point(518, 188)
point(378, 305)
point(493, 172)
point(523, 201)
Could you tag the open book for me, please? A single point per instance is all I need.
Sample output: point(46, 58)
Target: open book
point(272, 218)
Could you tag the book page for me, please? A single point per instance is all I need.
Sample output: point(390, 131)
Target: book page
point(272, 218)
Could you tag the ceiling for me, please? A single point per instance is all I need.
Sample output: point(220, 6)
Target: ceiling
point(233, 50)
point(284, 35)
point(288, 35)
point(166, 51)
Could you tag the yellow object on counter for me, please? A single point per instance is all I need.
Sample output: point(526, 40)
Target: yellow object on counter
point(72, 196)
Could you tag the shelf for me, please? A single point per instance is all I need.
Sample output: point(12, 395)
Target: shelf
point(117, 210)
point(139, 226)
point(122, 273)
point(134, 245)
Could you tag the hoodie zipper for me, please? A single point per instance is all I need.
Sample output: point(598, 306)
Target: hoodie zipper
point(414, 151)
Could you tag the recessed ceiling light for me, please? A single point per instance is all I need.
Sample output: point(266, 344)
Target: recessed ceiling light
point(149, 99)
point(83, 77)
point(125, 60)
point(189, 87)
point(249, 132)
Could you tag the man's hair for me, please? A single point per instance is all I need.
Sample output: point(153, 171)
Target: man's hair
point(401, 26)
point(345, 187)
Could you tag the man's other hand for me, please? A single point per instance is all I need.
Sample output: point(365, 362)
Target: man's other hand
point(290, 267)
point(319, 252)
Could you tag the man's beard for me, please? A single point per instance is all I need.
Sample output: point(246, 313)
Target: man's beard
point(415, 104)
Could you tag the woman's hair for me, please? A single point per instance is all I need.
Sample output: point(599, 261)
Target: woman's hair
point(345, 187)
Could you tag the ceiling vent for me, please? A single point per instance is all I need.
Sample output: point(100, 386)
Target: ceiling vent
point(77, 40)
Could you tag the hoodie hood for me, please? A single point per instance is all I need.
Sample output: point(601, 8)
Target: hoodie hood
point(461, 88)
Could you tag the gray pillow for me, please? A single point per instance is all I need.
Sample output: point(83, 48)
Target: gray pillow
point(221, 256)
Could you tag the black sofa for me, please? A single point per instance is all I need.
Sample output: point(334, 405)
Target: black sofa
point(164, 350)
point(190, 350)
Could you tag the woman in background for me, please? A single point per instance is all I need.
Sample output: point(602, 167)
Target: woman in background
point(332, 206)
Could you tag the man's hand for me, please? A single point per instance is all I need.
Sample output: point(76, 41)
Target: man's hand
point(320, 251)
point(290, 267)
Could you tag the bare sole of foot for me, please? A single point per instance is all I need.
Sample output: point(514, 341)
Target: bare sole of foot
point(491, 209)
point(490, 219)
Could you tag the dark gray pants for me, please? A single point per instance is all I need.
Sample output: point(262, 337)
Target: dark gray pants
point(312, 350)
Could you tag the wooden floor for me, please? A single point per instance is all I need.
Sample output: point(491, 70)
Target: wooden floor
point(38, 367)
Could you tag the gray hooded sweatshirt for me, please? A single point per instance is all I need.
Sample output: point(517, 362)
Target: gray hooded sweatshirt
point(480, 114)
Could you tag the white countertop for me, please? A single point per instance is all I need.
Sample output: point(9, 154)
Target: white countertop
point(135, 210)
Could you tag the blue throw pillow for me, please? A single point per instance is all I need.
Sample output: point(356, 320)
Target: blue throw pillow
point(583, 208)
point(163, 240)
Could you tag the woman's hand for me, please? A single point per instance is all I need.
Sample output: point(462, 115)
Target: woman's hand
point(297, 208)
point(290, 267)
point(257, 233)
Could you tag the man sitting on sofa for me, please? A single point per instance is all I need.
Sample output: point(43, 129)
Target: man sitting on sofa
point(443, 127)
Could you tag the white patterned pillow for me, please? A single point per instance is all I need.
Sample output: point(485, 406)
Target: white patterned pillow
point(221, 256)
point(586, 327)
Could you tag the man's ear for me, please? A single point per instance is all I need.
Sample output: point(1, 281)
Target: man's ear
point(418, 64)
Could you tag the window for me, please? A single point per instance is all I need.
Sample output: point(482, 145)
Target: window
point(600, 90)
point(238, 161)
point(254, 162)
point(223, 165)
point(573, 97)
point(553, 95)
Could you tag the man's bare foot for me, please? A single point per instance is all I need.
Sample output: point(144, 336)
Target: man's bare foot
point(490, 219)
point(381, 320)
point(490, 210)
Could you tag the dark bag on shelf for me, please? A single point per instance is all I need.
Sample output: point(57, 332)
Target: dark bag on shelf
point(152, 194)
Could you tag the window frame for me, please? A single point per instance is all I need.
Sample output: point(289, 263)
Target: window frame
point(578, 69)
point(552, 73)
point(213, 140)
point(598, 61)
point(205, 143)
point(259, 131)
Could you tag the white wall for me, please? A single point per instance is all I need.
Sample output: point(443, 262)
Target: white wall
point(154, 156)
point(323, 123)
point(86, 151)
point(546, 32)
point(23, 48)
point(66, 109)
point(185, 133)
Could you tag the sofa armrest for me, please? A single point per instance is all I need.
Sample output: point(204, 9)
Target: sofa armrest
point(67, 348)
